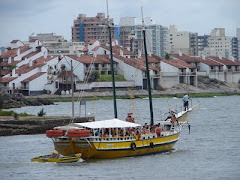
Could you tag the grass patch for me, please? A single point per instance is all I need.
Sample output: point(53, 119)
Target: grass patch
point(198, 95)
point(108, 78)
point(12, 113)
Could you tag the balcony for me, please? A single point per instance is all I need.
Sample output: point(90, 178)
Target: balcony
point(24, 87)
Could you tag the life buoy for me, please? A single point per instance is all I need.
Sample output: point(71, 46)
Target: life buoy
point(54, 133)
point(133, 146)
point(151, 144)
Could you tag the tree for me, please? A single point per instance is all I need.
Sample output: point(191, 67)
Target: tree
point(166, 56)
point(1, 101)
point(41, 113)
point(11, 68)
point(63, 67)
point(93, 76)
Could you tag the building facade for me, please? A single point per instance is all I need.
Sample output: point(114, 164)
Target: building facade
point(182, 41)
point(85, 29)
point(218, 44)
point(131, 36)
point(57, 45)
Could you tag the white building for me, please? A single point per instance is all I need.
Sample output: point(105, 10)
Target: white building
point(57, 45)
point(131, 36)
point(182, 41)
point(218, 44)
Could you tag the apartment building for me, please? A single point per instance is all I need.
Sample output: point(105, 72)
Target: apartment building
point(57, 45)
point(182, 41)
point(238, 37)
point(86, 28)
point(131, 36)
point(218, 44)
point(202, 42)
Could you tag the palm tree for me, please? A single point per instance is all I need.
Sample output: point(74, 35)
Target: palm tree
point(166, 56)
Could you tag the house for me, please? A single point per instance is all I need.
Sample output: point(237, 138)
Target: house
point(218, 68)
point(174, 72)
point(35, 84)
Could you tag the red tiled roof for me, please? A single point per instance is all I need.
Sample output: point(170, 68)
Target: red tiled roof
point(15, 41)
point(179, 64)
point(13, 52)
point(41, 59)
point(88, 59)
point(4, 72)
point(5, 64)
point(66, 74)
point(137, 63)
point(31, 54)
point(211, 62)
point(224, 61)
point(187, 58)
point(7, 79)
point(92, 41)
point(116, 50)
point(151, 59)
point(25, 68)
point(35, 76)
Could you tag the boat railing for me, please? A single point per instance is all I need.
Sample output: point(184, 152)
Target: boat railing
point(115, 138)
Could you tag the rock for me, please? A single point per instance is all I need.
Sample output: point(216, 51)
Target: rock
point(18, 100)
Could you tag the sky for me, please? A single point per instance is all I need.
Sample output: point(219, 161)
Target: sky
point(21, 18)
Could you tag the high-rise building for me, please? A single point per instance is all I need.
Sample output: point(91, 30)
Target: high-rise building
point(86, 29)
point(202, 42)
point(182, 41)
point(218, 44)
point(131, 36)
point(238, 37)
point(235, 48)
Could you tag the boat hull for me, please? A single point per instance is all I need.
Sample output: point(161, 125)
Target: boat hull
point(113, 149)
point(65, 159)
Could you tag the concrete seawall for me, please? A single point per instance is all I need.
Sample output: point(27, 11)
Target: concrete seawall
point(34, 125)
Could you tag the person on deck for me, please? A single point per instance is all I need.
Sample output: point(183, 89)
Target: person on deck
point(130, 118)
point(185, 101)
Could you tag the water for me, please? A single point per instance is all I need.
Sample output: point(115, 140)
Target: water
point(211, 151)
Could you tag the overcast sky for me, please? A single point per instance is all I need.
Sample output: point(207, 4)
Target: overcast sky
point(21, 18)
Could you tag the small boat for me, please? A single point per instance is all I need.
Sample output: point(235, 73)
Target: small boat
point(56, 158)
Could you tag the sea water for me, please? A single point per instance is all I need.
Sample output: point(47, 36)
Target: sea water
point(210, 151)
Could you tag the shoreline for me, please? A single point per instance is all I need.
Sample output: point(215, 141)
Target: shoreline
point(34, 124)
point(131, 94)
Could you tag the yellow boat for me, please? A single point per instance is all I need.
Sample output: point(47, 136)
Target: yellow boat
point(115, 138)
point(57, 159)
point(118, 142)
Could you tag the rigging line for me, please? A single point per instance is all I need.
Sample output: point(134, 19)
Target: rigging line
point(90, 69)
point(67, 61)
point(87, 77)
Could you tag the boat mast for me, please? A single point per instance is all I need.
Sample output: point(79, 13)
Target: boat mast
point(72, 91)
point(111, 57)
point(147, 70)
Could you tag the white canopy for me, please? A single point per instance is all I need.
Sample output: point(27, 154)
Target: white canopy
point(111, 123)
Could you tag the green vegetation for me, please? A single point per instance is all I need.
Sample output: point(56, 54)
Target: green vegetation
point(11, 68)
point(41, 113)
point(108, 78)
point(202, 95)
point(1, 101)
point(167, 56)
point(93, 76)
point(14, 114)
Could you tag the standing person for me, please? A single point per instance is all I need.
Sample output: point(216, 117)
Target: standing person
point(185, 101)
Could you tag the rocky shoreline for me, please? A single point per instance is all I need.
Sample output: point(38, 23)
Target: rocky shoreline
point(34, 125)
